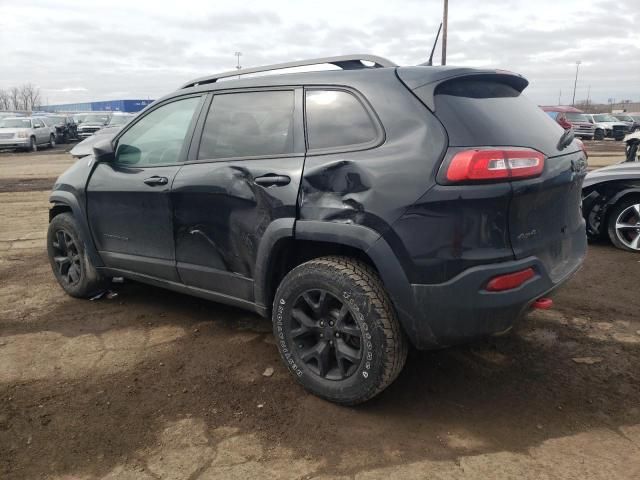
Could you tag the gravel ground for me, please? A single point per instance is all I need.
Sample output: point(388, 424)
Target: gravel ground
point(153, 384)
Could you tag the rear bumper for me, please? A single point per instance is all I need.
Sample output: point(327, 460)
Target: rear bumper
point(461, 309)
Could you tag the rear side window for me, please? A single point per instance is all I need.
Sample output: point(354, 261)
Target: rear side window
point(248, 124)
point(477, 112)
point(337, 119)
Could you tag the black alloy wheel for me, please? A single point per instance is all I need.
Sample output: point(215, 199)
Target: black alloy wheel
point(328, 338)
point(66, 257)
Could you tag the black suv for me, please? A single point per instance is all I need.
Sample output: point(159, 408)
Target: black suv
point(65, 127)
point(363, 209)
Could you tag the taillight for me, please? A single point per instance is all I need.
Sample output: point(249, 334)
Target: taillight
point(582, 147)
point(495, 164)
point(510, 281)
point(564, 123)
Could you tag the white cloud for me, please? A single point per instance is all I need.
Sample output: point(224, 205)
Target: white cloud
point(148, 48)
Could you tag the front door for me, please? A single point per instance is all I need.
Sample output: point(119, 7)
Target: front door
point(42, 132)
point(243, 175)
point(129, 205)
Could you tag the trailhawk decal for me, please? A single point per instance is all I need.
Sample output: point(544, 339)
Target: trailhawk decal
point(365, 331)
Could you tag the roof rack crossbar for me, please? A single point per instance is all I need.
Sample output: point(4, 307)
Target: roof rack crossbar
point(346, 62)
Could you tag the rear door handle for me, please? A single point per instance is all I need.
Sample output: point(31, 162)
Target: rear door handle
point(271, 179)
point(156, 180)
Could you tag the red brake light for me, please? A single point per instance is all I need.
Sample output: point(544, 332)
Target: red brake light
point(495, 164)
point(510, 281)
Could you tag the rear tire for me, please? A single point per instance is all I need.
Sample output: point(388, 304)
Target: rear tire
point(52, 141)
point(337, 331)
point(69, 260)
point(598, 135)
point(624, 224)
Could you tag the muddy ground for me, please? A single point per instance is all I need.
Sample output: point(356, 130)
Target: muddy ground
point(153, 384)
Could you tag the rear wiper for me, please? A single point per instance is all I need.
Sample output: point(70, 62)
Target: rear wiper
point(566, 139)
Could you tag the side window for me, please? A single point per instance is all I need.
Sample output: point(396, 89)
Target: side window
point(39, 123)
point(337, 119)
point(158, 137)
point(248, 124)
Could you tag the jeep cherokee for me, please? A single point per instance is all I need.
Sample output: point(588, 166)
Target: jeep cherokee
point(364, 209)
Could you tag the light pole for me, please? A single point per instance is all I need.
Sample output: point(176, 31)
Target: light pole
point(575, 83)
point(238, 67)
point(445, 21)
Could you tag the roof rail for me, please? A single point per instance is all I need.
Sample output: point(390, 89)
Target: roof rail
point(346, 62)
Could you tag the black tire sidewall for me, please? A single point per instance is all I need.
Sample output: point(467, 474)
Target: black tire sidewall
point(369, 374)
point(88, 276)
point(612, 219)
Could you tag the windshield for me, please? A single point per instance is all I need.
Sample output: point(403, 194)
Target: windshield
point(56, 120)
point(118, 120)
point(624, 118)
point(15, 123)
point(79, 118)
point(96, 119)
point(576, 117)
point(604, 117)
point(636, 118)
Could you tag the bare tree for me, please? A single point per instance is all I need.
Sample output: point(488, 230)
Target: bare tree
point(14, 95)
point(29, 96)
point(5, 100)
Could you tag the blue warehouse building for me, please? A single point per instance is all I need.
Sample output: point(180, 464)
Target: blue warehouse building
point(130, 106)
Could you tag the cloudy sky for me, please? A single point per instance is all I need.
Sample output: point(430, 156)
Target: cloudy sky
point(87, 50)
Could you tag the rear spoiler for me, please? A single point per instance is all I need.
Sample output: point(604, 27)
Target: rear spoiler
point(428, 79)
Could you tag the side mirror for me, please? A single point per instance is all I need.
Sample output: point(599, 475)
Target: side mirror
point(36, 126)
point(103, 151)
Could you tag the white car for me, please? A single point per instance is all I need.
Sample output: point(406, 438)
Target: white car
point(25, 133)
point(607, 126)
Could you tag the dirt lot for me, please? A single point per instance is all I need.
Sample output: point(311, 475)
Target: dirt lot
point(153, 384)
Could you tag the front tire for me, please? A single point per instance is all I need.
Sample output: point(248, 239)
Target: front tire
point(624, 224)
point(598, 134)
point(69, 260)
point(337, 331)
point(52, 141)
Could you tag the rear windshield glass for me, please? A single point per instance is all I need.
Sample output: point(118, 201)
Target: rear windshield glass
point(479, 112)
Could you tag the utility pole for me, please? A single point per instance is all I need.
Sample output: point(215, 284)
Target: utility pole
point(575, 83)
point(560, 97)
point(445, 19)
point(589, 95)
point(238, 67)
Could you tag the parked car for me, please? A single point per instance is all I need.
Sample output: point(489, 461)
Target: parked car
point(570, 117)
point(25, 133)
point(85, 147)
point(632, 147)
point(116, 122)
point(64, 127)
point(613, 128)
point(633, 124)
point(362, 209)
point(611, 205)
point(91, 123)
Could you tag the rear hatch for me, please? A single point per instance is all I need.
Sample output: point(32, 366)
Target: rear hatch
point(544, 215)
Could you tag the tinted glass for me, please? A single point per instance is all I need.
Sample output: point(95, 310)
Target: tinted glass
point(157, 138)
point(487, 112)
point(248, 124)
point(337, 119)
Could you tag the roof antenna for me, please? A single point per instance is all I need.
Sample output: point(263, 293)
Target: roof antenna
point(430, 62)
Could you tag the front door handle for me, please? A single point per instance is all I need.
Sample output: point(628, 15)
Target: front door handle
point(271, 179)
point(156, 180)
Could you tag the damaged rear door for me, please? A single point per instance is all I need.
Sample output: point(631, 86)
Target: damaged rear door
point(243, 174)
